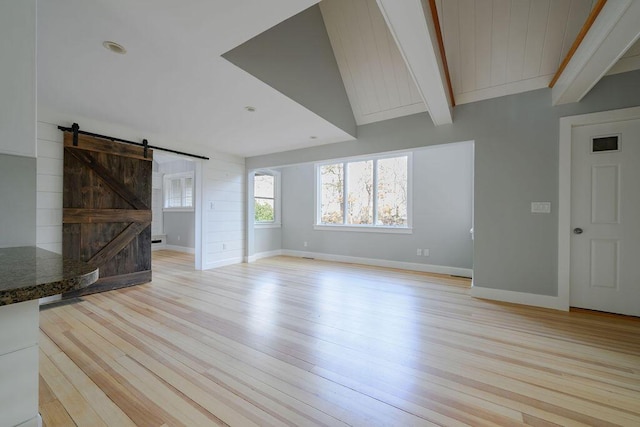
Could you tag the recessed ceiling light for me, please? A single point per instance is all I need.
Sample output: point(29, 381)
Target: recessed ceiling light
point(313, 137)
point(114, 47)
point(250, 109)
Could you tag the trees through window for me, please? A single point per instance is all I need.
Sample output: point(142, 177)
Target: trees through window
point(368, 192)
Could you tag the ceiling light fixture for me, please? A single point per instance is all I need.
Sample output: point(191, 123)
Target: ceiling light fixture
point(313, 137)
point(250, 109)
point(114, 47)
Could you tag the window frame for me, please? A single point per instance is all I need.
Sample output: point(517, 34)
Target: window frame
point(166, 179)
point(276, 223)
point(372, 228)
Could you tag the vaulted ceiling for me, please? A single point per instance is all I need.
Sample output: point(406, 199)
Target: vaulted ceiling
point(501, 47)
point(175, 82)
point(493, 48)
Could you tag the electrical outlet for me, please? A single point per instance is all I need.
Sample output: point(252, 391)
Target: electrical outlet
point(419, 252)
point(178, 238)
point(425, 252)
point(306, 244)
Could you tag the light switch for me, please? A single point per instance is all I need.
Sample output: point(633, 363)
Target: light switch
point(541, 207)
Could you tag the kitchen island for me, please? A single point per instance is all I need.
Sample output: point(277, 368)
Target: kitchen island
point(27, 274)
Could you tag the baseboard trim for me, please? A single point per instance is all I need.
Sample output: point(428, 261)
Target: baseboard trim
point(180, 249)
point(412, 266)
point(544, 301)
point(223, 263)
point(260, 255)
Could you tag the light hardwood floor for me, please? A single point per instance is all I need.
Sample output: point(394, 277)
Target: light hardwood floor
point(288, 341)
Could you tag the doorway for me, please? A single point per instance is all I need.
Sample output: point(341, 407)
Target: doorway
point(174, 203)
point(599, 241)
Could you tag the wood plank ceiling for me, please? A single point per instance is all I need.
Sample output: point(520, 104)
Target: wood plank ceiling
point(502, 47)
point(376, 79)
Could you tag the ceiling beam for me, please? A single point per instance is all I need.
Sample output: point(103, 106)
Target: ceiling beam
point(411, 23)
point(613, 31)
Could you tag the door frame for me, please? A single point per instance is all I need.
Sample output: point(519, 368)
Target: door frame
point(564, 189)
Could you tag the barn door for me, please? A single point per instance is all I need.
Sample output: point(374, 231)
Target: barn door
point(107, 210)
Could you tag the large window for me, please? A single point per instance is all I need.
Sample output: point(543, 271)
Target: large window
point(178, 191)
point(366, 193)
point(264, 192)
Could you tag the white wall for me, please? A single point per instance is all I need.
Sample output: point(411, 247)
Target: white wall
point(223, 223)
point(49, 188)
point(222, 183)
point(157, 226)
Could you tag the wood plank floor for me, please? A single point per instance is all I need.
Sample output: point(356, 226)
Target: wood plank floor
point(287, 341)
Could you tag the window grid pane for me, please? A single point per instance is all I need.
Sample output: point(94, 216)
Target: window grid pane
point(174, 196)
point(264, 186)
point(178, 191)
point(360, 191)
point(332, 194)
point(188, 193)
point(264, 210)
point(392, 191)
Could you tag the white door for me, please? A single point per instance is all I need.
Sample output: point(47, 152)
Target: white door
point(605, 217)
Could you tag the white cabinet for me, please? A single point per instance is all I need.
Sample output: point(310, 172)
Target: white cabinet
point(19, 364)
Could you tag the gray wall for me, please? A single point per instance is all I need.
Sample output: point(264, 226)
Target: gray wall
point(180, 228)
point(18, 201)
point(267, 240)
point(516, 162)
point(295, 57)
point(442, 199)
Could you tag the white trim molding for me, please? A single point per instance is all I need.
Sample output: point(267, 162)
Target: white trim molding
point(363, 228)
point(261, 255)
point(564, 189)
point(412, 266)
point(183, 249)
point(224, 262)
point(544, 301)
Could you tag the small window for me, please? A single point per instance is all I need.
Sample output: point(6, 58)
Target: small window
point(264, 192)
point(178, 191)
point(605, 143)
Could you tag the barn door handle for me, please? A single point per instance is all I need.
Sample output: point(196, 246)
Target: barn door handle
point(578, 230)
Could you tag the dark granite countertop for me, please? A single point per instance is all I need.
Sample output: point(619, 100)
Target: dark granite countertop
point(28, 273)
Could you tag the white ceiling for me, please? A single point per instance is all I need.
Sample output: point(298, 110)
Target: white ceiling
point(172, 81)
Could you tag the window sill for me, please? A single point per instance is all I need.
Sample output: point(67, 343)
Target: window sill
point(364, 228)
point(177, 210)
point(267, 225)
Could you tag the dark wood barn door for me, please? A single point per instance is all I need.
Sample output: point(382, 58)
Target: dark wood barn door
point(107, 210)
